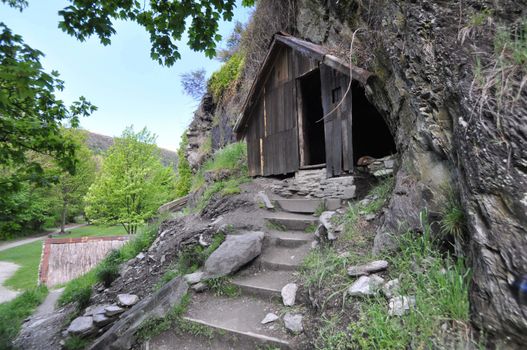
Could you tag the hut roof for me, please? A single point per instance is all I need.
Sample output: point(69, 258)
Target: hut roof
point(314, 51)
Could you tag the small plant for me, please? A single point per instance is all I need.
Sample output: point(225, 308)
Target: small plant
point(221, 286)
point(227, 76)
point(272, 225)
point(320, 209)
point(107, 273)
point(311, 228)
point(194, 328)
point(155, 326)
point(75, 343)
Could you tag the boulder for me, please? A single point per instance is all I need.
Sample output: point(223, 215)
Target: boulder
point(82, 326)
point(401, 305)
point(233, 253)
point(366, 269)
point(366, 286)
point(293, 323)
point(127, 299)
point(289, 294)
point(270, 317)
point(193, 278)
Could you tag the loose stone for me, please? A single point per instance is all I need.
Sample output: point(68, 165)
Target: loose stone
point(401, 305)
point(113, 310)
point(289, 294)
point(366, 286)
point(293, 322)
point(270, 317)
point(127, 299)
point(374, 266)
point(82, 326)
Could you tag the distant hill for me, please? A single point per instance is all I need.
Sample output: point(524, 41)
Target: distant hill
point(100, 143)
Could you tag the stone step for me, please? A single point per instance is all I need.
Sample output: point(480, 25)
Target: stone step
point(290, 221)
point(263, 283)
point(283, 258)
point(289, 239)
point(308, 205)
point(239, 319)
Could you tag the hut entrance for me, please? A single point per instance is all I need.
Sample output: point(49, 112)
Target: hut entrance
point(371, 136)
point(311, 129)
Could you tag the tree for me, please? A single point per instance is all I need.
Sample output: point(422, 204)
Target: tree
point(71, 188)
point(194, 83)
point(133, 182)
point(233, 43)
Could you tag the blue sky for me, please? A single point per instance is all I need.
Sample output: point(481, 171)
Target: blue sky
point(120, 79)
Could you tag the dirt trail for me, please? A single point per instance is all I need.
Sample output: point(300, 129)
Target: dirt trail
point(7, 269)
point(9, 245)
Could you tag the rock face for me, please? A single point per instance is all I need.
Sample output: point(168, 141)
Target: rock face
point(445, 131)
point(233, 253)
point(122, 334)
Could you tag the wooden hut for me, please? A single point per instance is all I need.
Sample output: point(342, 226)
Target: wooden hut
point(295, 116)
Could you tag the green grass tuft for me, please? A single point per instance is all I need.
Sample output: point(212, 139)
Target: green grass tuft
point(440, 286)
point(221, 286)
point(226, 76)
point(14, 312)
point(75, 343)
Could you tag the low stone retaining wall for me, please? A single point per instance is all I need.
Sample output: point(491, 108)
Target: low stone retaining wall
point(64, 259)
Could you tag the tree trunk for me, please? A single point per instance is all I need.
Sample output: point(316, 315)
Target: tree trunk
point(63, 217)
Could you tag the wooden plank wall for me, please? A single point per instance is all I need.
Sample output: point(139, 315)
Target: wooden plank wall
point(272, 136)
point(337, 125)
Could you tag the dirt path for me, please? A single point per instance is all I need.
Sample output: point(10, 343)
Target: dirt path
point(7, 269)
point(9, 245)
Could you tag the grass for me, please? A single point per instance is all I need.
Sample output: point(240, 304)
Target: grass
point(271, 225)
point(190, 260)
point(232, 159)
point(229, 73)
point(75, 343)
point(221, 286)
point(94, 231)
point(14, 312)
point(28, 255)
point(79, 289)
point(440, 286)
point(155, 326)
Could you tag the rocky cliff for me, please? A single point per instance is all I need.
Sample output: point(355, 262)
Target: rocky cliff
point(450, 83)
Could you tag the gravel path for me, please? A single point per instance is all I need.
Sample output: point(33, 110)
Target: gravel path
point(7, 269)
point(9, 245)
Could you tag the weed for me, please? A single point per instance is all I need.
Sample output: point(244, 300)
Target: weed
point(154, 326)
point(453, 217)
point(168, 276)
point(221, 286)
point(320, 209)
point(14, 312)
point(311, 228)
point(194, 328)
point(75, 343)
point(331, 336)
point(272, 225)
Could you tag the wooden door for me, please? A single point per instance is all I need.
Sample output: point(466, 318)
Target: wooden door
point(337, 125)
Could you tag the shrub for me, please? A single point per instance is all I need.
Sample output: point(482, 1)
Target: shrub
point(107, 273)
point(227, 75)
point(184, 173)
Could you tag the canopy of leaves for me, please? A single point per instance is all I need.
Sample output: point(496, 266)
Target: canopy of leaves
point(133, 182)
point(30, 115)
point(165, 21)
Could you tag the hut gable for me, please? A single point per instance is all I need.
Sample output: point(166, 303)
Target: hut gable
point(297, 114)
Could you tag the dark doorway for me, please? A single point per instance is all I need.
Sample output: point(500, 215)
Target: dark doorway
point(312, 143)
point(371, 136)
